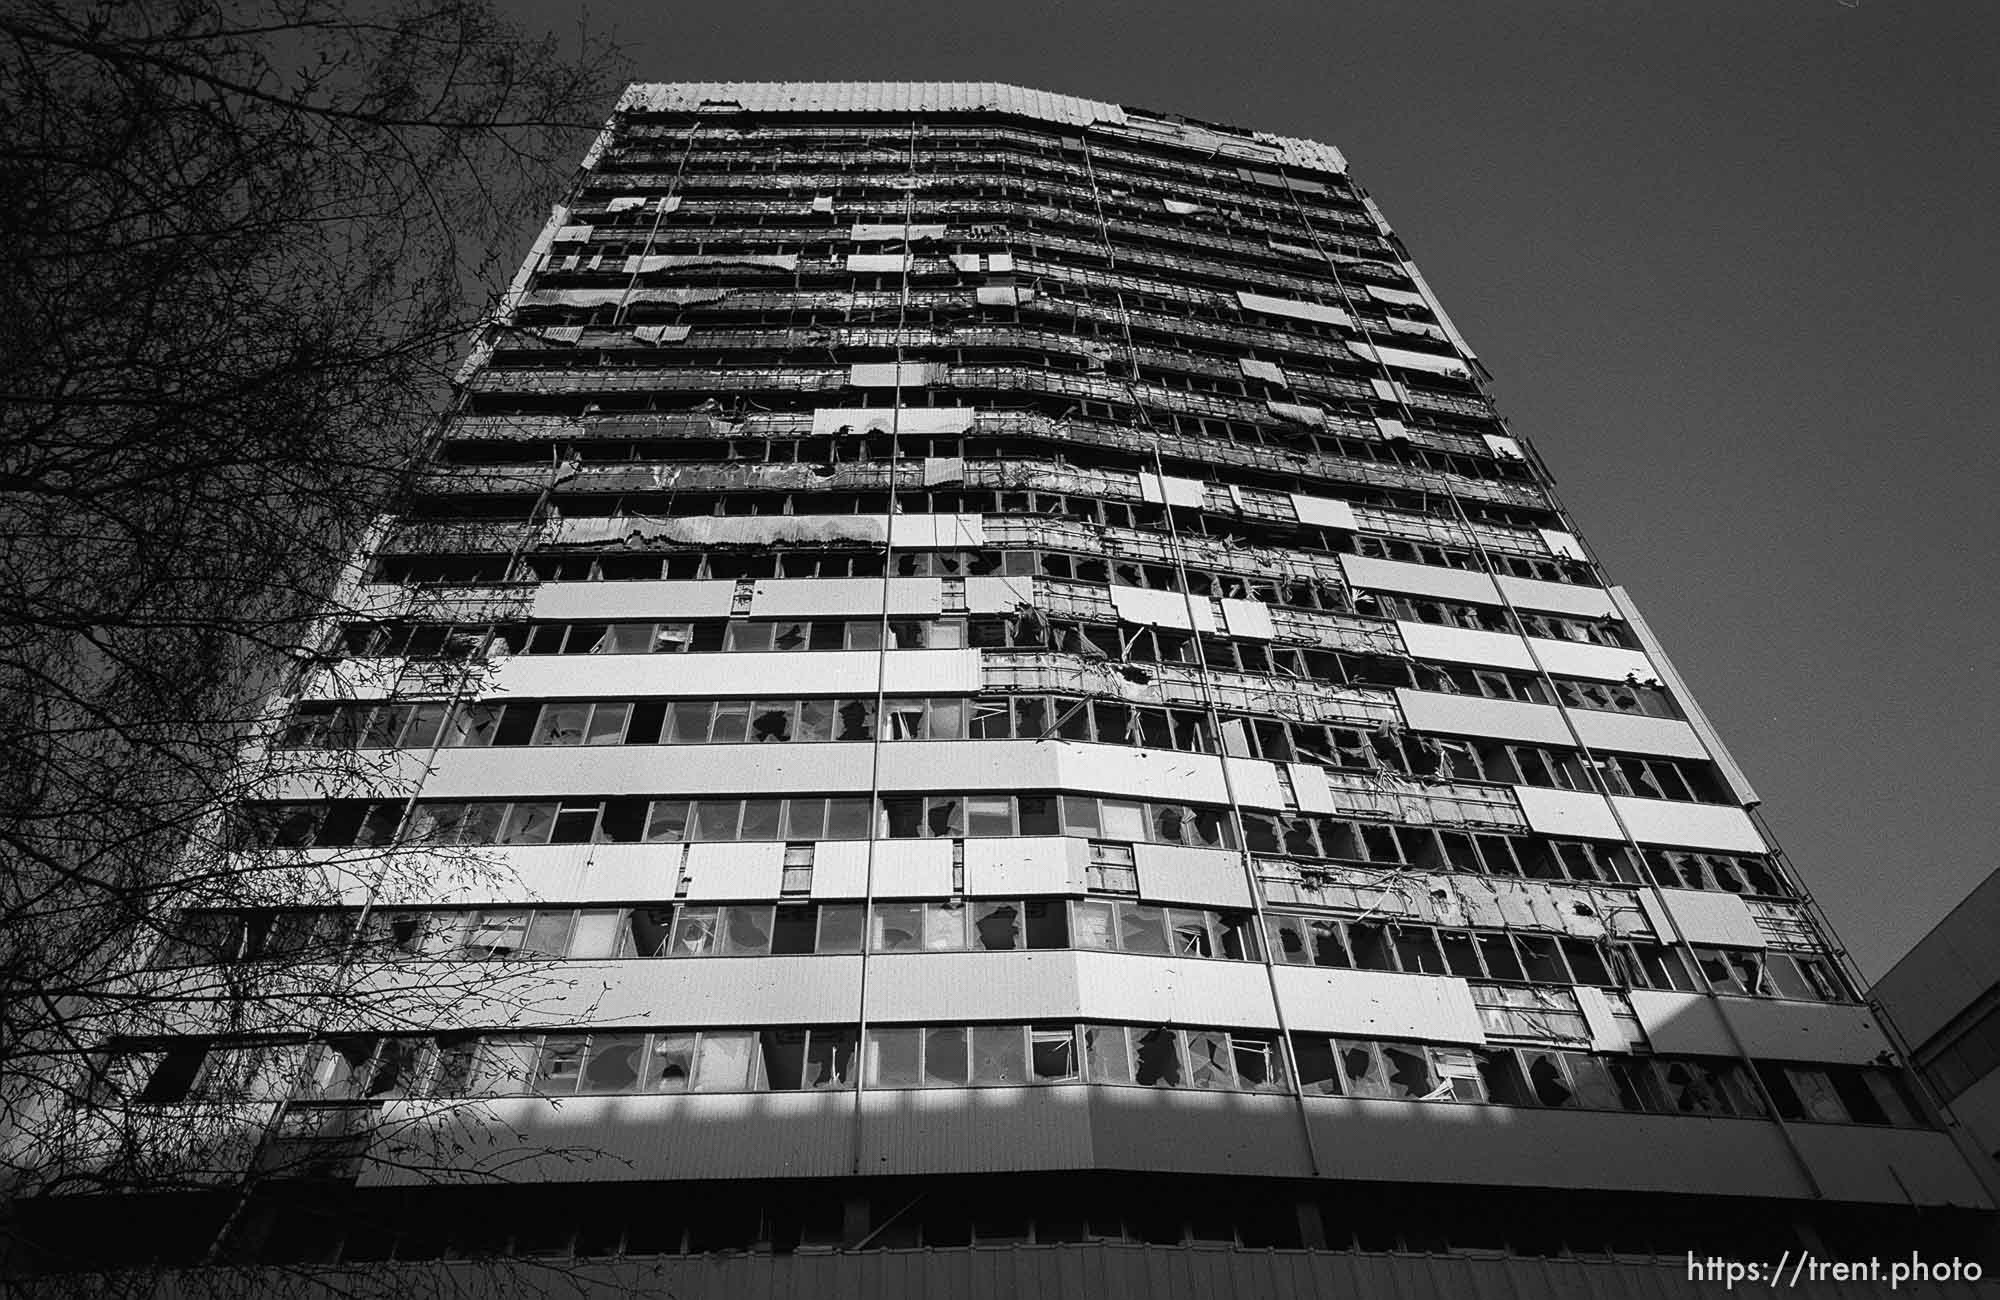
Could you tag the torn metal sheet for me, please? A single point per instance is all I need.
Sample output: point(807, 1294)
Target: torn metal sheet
point(660, 333)
point(1268, 371)
point(1313, 311)
point(1401, 297)
point(1298, 413)
point(1407, 360)
point(876, 234)
point(684, 261)
point(940, 470)
point(832, 420)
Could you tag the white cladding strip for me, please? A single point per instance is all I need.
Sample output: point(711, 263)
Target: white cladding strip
point(1703, 917)
point(829, 420)
point(1379, 1003)
point(1152, 608)
point(1210, 877)
point(795, 597)
point(610, 600)
point(781, 672)
point(1474, 715)
point(1770, 1028)
point(749, 870)
point(1015, 866)
point(1405, 359)
point(1739, 784)
point(1313, 311)
point(878, 234)
point(1066, 985)
point(890, 374)
point(1419, 579)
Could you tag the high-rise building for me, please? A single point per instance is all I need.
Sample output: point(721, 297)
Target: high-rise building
point(979, 696)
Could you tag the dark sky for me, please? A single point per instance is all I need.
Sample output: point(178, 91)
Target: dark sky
point(1734, 269)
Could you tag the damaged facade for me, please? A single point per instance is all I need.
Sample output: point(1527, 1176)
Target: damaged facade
point(1004, 642)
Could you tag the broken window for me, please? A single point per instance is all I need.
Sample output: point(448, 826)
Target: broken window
point(1107, 1054)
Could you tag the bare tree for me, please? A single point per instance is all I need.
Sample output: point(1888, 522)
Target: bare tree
point(244, 242)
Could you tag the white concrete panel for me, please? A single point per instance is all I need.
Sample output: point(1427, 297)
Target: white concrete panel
point(912, 868)
point(945, 766)
point(1608, 663)
point(624, 873)
point(878, 234)
point(682, 1136)
point(1172, 874)
point(1605, 1033)
point(1170, 490)
point(636, 992)
point(1896, 1166)
point(1195, 1132)
point(889, 374)
point(1691, 825)
point(696, 770)
point(1475, 715)
point(1324, 512)
point(1144, 773)
point(1255, 783)
point(634, 600)
point(784, 597)
point(1405, 359)
point(1313, 311)
point(998, 595)
point(1310, 785)
point(1681, 1022)
point(1023, 865)
point(1731, 771)
point(752, 870)
point(840, 869)
point(829, 420)
point(1777, 1030)
point(788, 672)
point(1457, 645)
point(1152, 608)
point(1419, 579)
point(878, 263)
point(966, 1130)
point(1558, 542)
point(1568, 812)
point(1379, 1140)
point(1379, 1004)
point(944, 532)
point(1636, 734)
point(942, 987)
point(1702, 916)
point(1503, 447)
point(1174, 990)
point(1248, 619)
point(1558, 597)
